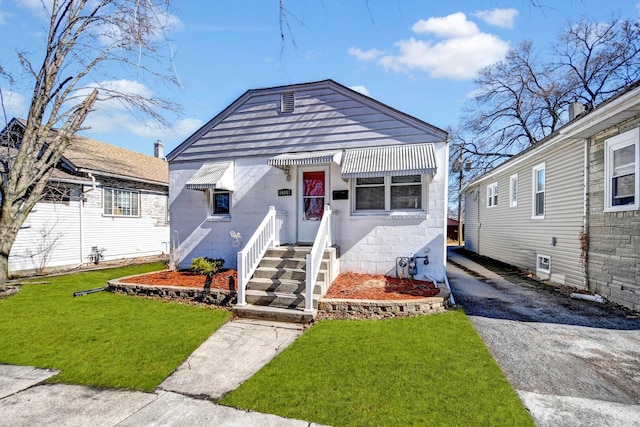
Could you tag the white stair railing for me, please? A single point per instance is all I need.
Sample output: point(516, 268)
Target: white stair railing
point(322, 241)
point(268, 233)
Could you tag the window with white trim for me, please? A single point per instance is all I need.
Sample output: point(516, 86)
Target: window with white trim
point(389, 193)
point(622, 172)
point(539, 191)
point(492, 195)
point(543, 263)
point(219, 203)
point(513, 191)
point(117, 202)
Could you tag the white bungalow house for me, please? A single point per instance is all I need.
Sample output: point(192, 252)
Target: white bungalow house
point(568, 209)
point(102, 203)
point(313, 164)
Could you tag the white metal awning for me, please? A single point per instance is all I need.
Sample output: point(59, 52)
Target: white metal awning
point(217, 176)
point(397, 160)
point(306, 158)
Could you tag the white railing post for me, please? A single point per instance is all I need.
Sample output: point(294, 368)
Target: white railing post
point(314, 259)
point(249, 257)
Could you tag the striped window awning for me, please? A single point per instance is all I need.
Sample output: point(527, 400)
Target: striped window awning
point(398, 160)
point(217, 176)
point(306, 158)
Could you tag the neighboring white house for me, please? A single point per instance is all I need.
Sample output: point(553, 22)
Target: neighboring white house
point(100, 196)
point(568, 209)
point(301, 148)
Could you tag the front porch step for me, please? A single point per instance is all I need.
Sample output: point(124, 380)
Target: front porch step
point(278, 299)
point(278, 314)
point(280, 285)
point(284, 273)
point(295, 263)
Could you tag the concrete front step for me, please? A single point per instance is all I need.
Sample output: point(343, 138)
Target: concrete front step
point(284, 273)
point(299, 252)
point(295, 263)
point(277, 299)
point(278, 314)
point(280, 285)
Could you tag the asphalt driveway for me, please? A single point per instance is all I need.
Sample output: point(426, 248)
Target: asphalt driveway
point(572, 362)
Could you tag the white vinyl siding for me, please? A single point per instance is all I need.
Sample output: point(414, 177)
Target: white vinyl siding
point(513, 191)
point(622, 172)
point(539, 191)
point(512, 235)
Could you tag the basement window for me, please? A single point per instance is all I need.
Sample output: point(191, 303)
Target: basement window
point(544, 264)
point(287, 102)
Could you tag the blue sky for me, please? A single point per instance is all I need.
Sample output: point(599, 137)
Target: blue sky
point(417, 56)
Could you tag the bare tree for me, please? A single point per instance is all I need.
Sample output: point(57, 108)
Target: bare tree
point(523, 99)
point(599, 59)
point(83, 37)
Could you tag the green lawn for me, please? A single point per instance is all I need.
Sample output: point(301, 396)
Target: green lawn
point(421, 371)
point(101, 339)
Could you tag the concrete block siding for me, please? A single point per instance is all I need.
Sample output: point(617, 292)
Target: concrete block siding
point(614, 237)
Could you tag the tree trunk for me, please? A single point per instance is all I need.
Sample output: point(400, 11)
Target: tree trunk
point(4, 265)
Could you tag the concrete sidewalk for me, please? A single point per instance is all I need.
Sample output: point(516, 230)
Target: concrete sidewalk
point(230, 356)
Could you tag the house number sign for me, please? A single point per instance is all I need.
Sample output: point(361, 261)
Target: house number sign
point(284, 192)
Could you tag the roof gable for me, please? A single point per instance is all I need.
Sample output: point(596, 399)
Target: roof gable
point(324, 116)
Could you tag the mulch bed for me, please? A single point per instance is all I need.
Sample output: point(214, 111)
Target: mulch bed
point(346, 286)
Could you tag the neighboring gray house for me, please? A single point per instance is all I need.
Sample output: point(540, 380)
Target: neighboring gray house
point(100, 196)
point(568, 209)
point(310, 150)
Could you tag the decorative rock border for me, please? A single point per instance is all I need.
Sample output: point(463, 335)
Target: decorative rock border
point(220, 297)
point(327, 307)
point(343, 308)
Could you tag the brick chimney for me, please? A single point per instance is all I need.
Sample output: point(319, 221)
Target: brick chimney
point(158, 149)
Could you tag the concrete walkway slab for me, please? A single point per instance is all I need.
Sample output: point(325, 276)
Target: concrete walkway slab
point(14, 378)
point(172, 409)
point(71, 405)
point(230, 356)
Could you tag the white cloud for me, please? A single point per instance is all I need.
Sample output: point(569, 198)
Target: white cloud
point(367, 55)
point(361, 89)
point(451, 26)
point(14, 104)
point(458, 51)
point(503, 18)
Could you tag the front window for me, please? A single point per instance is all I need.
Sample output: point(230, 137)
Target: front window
point(121, 202)
point(539, 185)
point(492, 195)
point(621, 172)
point(220, 203)
point(389, 193)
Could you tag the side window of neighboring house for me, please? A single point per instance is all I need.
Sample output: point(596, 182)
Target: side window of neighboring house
point(220, 203)
point(622, 172)
point(539, 185)
point(492, 195)
point(513, 191)
point(121, 202)
point(389, 193)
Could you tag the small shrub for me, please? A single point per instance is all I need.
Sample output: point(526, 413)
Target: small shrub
point(204, 265)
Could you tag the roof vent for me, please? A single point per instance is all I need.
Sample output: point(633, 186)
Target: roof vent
point(575, 109)
point(287, 102)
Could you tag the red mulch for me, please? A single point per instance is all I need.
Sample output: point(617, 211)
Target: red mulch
point(185, 279)
point(346, 286)
point(379, 287)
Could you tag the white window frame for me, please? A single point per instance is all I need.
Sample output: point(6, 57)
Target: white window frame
point(513, 190)
point(387, 195)
point(492, 195)
point(539, 258)
point(113, 208)
point(220, 216)
point(535, 192)
point(623, 140)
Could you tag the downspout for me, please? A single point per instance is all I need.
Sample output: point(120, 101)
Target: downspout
point(445, 213)
point(93, 187)
point(584, 236)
